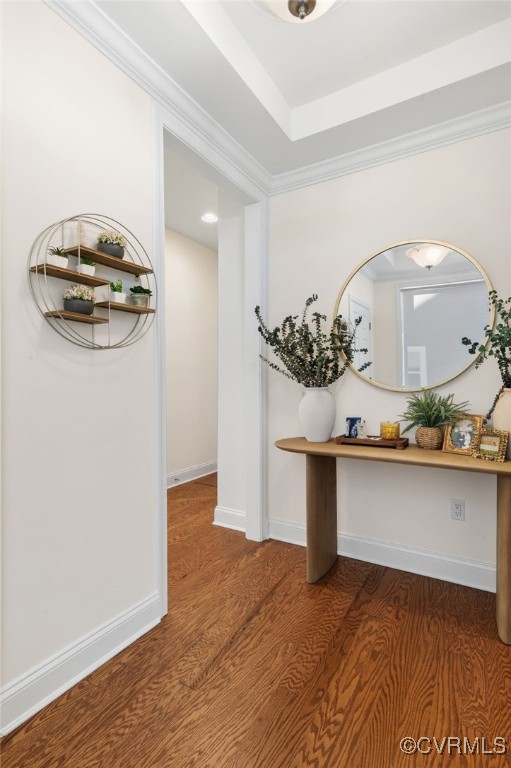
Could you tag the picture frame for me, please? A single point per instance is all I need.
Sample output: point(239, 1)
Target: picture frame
point(492, 445)
point(462, 436)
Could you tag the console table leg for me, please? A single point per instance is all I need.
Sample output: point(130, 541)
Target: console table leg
point(321, 516)
point(504, 558)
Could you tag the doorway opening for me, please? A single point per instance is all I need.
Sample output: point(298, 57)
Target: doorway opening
point(240, 382)
point(191, 309)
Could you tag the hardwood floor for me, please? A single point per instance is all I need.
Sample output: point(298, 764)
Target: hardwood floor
point(254, 668)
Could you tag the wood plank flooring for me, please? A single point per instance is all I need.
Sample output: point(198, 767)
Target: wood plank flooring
point(255, 668)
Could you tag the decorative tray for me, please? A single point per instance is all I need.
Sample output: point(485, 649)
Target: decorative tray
point(374, 441)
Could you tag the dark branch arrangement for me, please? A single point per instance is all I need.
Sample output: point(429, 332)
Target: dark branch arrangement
point(310, 356)
point(498, 344)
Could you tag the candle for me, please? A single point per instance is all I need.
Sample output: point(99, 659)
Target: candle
point(389, 430)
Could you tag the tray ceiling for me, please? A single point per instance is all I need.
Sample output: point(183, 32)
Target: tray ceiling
point(297, 94)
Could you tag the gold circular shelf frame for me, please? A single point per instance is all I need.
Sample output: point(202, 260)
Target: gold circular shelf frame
point(136, 263)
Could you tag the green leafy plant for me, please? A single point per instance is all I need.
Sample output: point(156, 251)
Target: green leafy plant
point(497, 345)
point(141, 290)
point(116, 287)
point(57, 250)
point(88, 262)
point(310, 356)
point(430, 409)
point(112, 237)
point(77, 291)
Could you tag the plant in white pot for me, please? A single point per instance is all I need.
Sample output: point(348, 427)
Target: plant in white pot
point(116, 294)
point(57, 257)
point(79, 298)
point(112, 242)
point(315, 360)
point(497, 345)
point(85, 266)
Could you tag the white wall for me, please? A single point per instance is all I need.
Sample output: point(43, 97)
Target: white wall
point(460, 194)
point(80, 495)
point(191, 276)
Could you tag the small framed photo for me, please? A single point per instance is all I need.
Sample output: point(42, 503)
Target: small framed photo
point(492, 445)
point(462, 436)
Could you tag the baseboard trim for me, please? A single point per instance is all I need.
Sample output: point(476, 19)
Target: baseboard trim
point(469, 573)
point(230, 518)
point(191, 473)
point(25, 696)
point(489, 120)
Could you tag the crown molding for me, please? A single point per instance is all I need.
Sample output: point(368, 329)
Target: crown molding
point(469, 126)
point(91, 22)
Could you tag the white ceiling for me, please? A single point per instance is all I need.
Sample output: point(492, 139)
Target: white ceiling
point(297, 94)
point(355, 40)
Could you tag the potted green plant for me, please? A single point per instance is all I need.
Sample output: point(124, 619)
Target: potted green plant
point(429, 412)
point(79, 298)
point(57, 256)
point(85, 266)
point(315, 359)
point(116, 294)
point(112, 242)
point(140, 296)
point(497, 345)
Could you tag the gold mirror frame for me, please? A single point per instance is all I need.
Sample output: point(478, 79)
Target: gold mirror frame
point(445, 244)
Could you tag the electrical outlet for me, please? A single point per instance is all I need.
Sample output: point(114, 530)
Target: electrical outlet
point(457, 509)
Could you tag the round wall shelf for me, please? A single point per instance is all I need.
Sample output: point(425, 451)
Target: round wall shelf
point(119, 317)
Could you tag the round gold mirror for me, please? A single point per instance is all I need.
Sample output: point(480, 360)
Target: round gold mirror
point(417, 300)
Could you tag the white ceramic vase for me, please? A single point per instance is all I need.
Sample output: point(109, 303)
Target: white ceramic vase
point(316, 414)
point(502, 416)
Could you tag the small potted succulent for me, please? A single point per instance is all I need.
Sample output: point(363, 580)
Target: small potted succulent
point(79, 298)
point(140, 296)
point(57, 256)
point(116, 294)
point(112, 242)
point(429, 412)
point(85, 266)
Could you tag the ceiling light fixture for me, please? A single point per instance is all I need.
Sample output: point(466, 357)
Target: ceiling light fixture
point(209, 218)
point(427, 255)
point(301, 8)
point(296, 11)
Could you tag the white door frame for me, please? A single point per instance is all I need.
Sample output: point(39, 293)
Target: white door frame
point(255, 292)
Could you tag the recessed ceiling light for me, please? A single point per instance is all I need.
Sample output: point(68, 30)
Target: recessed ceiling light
point(209, 218)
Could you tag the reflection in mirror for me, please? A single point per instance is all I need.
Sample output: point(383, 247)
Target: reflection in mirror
point(416, 300)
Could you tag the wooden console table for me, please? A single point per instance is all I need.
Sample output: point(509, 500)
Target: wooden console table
point(322, 504)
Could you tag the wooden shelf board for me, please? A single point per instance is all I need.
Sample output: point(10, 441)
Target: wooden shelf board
point(77, 317)
point(109, 261)
point(125, 307)
point(69, 274)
